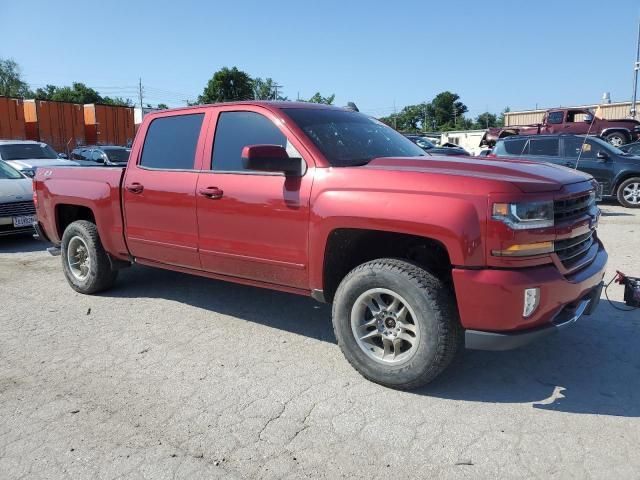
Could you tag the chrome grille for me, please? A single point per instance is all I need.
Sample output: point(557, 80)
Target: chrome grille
point(16, 209)
point(569, 208)
point(571, 250)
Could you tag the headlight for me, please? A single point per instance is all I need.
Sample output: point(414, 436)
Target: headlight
point(522, 216)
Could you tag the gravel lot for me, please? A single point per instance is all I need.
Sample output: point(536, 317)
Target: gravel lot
point(173, 376)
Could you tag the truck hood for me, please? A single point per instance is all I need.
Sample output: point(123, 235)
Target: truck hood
point(15, 190)
point(39, 162)
point(529, 177)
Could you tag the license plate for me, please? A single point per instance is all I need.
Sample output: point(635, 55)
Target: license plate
point(24, 221)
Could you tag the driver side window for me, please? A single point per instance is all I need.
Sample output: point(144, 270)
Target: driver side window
point(236, 130)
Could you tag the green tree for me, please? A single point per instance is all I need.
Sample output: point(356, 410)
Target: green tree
point(227, 85)
point(77, 93)
point(486, 120)
point(163, 106)
point(11, 83)
point(411, 118)
point(318, 98)
point(447, 110)
point(119, 101)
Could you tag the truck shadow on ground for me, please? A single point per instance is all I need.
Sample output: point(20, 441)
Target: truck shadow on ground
point(593, 367)
point(23, 243)
point(292, 313)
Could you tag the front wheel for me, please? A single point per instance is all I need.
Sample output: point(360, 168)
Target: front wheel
point(396, 323)
point(617, 139)
point(629, 193)
point(84, 260)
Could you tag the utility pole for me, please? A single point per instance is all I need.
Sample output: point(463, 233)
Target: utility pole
point(424, 126)
point(636, 67)
point(275, 88)
point(140, 96)
point(395, 117)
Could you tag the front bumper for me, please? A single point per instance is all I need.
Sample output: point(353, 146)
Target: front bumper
point(490, 302)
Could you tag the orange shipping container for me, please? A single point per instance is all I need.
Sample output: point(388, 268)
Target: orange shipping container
point(109, 125)
point(60, 124)
point(11, 119)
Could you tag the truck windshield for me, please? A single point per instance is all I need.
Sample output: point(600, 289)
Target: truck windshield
point(349, 138)
point(117, 155)
point(24, 151)
point(8, 172)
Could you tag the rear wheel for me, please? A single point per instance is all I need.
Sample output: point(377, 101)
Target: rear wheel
point(396, 323)
point(84, 260)
point(617, 139)
point(629, 193)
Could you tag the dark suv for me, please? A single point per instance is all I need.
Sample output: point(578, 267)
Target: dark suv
point(108, 155)
point(617, 172)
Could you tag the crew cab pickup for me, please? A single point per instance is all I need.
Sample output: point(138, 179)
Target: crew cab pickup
point(575, 121)
point(418, 254)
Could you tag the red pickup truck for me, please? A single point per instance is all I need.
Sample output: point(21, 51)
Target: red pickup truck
point(419, 254)
point(577, 121)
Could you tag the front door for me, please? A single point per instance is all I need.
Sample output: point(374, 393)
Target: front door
point(253, 225)
point(160, 192)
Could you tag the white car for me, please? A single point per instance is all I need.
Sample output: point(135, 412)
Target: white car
point(17, 212)
point(27, 155)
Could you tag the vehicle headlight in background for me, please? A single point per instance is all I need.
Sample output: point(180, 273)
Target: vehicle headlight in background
point(525, 215)
point(29, 173)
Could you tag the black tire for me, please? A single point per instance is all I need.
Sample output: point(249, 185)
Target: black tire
point(100, 276)
point(437, 318)
point(632, 201)
point(616, 139)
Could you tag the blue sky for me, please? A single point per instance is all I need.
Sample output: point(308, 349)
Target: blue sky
point(375, 53)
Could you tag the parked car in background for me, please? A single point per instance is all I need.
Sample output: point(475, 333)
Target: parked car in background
point(631, 148)
point(17, 212)
point(617, 172)
point(27, 155)
point(573, 121)
point(108, 155)
point(429, 147)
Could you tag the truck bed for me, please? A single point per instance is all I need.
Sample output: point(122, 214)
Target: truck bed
point(96, 188)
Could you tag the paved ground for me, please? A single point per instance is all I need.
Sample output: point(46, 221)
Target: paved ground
point(172, 376)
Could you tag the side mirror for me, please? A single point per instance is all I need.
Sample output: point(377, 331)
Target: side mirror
point(63, 155)
point(271, 158)
point(602, 155)
point(588, 118)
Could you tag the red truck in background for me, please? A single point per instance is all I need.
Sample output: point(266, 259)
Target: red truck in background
point(575, 121)
point(419, 254)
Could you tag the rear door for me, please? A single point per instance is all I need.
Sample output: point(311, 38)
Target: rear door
point(159, 191)
point(544, 149)
point(257, 225)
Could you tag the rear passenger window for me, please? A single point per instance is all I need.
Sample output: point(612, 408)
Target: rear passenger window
point(544, 147)
point(170, 142)
point(512, 147)
point(235, 130)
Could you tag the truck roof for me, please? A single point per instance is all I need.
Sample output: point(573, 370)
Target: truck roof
point(265, 103)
